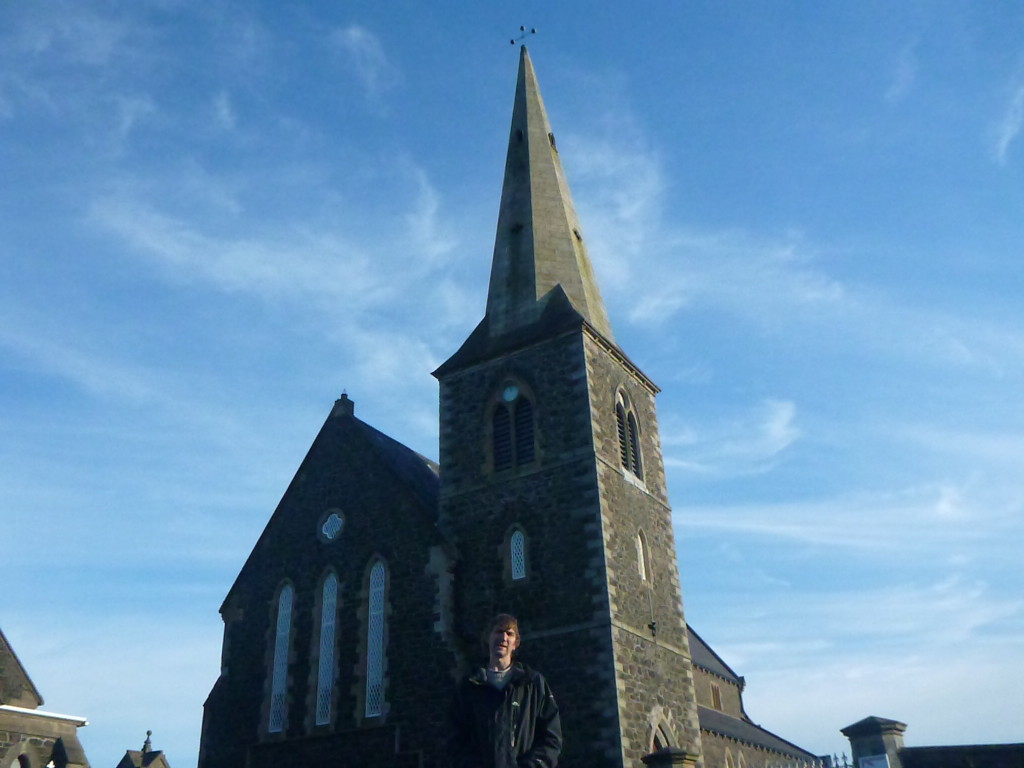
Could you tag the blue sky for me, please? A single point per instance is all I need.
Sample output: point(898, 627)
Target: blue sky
point(806, 219)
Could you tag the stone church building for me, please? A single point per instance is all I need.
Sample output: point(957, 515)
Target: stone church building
point(363, 601)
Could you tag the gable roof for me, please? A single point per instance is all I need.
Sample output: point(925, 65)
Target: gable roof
point(342, 441)
point(705, 658)
point(135, 758)
point(16, 687)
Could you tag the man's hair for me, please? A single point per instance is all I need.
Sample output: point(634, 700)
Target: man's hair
point(502, 621)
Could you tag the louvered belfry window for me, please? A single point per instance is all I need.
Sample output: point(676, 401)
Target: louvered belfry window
point(620, 423)
point(512, 430)
point(524, 431)
point(279, 678)
point(502, 430)
point(629, 438)
point(634, 446)
point(517, 555)
point(375, 643)
point(325, 670)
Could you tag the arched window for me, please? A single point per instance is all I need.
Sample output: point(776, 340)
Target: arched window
point(282, 641)
point(375, 642)
point(628, 430)
point(660, 737)
point(517, 555)
point(513, 441)
point(728, 760)
point(643, 557)
point(325, 670)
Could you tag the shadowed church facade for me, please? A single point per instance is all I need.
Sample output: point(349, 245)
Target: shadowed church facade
point(362, 602)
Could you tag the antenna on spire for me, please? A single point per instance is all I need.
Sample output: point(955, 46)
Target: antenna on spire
point(523, 35)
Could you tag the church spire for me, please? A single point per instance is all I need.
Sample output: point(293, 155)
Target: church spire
point(539, 245)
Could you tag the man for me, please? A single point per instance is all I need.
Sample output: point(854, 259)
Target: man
point(504, 715)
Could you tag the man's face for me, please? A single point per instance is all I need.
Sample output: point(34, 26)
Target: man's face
point(501, 644)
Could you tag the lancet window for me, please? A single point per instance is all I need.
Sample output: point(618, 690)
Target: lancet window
point(629, 436)
point(325, 667)
point(279, 673)
point(517, 555)
point(374, 706)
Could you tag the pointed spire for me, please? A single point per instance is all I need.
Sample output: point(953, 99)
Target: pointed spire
point(539, 244)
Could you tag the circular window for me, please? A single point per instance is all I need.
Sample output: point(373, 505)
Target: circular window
point(332, 526)
point(510, 393)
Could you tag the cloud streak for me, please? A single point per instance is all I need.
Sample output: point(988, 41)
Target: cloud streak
point(1010, 125)
point(365, 55)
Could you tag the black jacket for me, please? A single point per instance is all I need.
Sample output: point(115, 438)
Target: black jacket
point(517, 727)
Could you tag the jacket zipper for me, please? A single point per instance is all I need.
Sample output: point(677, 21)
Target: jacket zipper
point(515, 721)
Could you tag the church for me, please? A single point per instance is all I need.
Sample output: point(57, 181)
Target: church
point(363, 600)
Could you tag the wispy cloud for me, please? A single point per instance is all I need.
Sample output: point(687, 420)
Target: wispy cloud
point(366, 56)
point(903, 75)
point(1010, 125)
point(427, 231)
point(914, 641)
point(750, 444)
point(947, 517)
point(223, 110)
point(308, 265)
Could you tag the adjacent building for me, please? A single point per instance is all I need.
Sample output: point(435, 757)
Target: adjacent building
point(877, 742)
point(29, 736)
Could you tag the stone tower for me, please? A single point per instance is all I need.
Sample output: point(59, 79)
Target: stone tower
point(552, 489)
point(362, 601)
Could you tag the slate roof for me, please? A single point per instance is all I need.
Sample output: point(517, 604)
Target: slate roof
point(743, 730)
point(16, 687)
point(135, 758)
point(419, 473)
point(708, 660)
point(872, 725)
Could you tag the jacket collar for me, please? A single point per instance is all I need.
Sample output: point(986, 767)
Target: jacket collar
point(479, 675)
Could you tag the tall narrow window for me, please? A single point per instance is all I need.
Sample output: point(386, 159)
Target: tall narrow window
point(620, 423)
point(279, 679)
point(517, 555)
point(642, 558)
point(634, 447)
point(325, 670)
point(375, 642)
point(513, 441)
point(628, 431)
point(716, 697)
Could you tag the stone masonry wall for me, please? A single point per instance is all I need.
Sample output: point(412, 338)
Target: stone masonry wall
point(655, 675)
point(562, 603)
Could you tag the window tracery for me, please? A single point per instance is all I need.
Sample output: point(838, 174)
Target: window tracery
point(279, 674)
